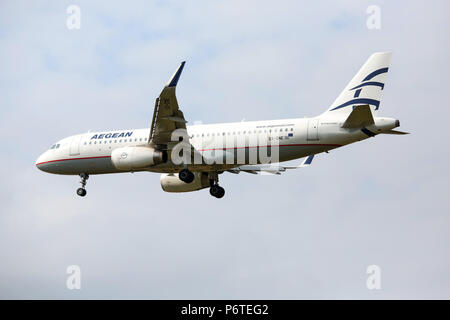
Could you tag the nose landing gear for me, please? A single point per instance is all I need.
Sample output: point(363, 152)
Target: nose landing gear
point(82, 191)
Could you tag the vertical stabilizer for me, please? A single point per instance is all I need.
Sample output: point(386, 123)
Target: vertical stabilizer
point(366, 86)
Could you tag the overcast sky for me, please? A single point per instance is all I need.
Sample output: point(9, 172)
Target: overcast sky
point(309, 233)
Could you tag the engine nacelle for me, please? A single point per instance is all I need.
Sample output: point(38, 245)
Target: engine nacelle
point(171, 183)
point(129, 158)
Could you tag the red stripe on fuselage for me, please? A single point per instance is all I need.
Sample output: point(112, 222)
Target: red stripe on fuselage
point(283, 145)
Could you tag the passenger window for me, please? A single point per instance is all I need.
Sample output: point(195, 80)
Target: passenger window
point(95, 142)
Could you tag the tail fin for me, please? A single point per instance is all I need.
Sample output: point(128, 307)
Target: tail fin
point(365, 87)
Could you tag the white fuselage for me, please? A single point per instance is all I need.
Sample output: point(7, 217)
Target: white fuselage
point(91, 152)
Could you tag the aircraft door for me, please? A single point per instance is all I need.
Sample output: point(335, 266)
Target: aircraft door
point(313, 130)
point(75, 145)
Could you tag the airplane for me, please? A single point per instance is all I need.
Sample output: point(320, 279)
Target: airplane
point(191, 158)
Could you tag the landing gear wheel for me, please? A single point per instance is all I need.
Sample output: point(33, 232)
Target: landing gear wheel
point(82, 191)
point(186, 176)
point(217, 191)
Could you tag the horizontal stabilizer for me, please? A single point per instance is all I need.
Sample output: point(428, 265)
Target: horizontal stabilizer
point(361, 116)
point(175, 119)
point(395, 132)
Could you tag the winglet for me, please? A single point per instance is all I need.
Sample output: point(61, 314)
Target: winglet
point(307, 161)
point(176, 76)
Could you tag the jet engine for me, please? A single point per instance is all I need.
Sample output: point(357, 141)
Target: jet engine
point(171, 183)
point(129, 158)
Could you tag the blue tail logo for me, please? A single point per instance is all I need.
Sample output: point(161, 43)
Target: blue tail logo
point(365, 82)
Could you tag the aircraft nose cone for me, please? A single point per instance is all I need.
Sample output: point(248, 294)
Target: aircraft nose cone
point(40, 162)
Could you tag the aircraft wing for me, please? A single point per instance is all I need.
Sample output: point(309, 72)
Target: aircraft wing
point(167, 116)
point(270, 168)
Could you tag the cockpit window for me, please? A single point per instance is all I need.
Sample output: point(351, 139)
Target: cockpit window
point(57, 146)
point(53, 146)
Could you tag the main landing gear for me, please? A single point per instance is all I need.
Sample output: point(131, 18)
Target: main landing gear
point(186, 176)
point(215, 190)
point(82, 191)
